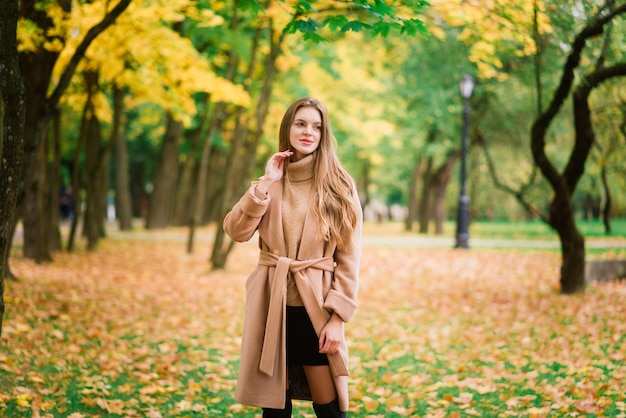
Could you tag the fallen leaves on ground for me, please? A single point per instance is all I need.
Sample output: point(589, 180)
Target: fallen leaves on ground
point(139, 328)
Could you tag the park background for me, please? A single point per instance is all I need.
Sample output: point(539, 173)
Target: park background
point(145, 121)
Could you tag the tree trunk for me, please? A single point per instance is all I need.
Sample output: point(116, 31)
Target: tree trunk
point(412, 212)
point(220, 251)
point(425, 202)
point(425, 206)
point(606, 209)
point(77, 211)
point(198, 197)
point(12, 117)
point(123, 208)
point(165, 177)
point(35, 223)
point(215, 186)
point(139, 198)
point(36, 70)
point(183, 205)
point(54, 181)
point(572, 244)
point(95, 196)
point(442, 179)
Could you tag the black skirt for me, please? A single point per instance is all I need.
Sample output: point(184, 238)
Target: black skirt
point(302, 341)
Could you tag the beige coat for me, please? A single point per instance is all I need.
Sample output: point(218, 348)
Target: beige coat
point(327, 279)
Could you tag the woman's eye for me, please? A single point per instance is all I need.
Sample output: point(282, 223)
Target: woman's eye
point(319, 127)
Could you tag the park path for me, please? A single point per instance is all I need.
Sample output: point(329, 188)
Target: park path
point(404, 240)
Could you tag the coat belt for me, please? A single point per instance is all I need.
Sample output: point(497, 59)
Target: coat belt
point(278, 286)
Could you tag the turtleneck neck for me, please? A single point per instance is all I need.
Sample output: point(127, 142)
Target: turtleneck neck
point(301, 170)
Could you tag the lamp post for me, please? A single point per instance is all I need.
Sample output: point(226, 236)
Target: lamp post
point(462, 225)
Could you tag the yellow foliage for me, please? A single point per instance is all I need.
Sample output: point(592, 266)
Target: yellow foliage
point(489, 27)
point(208, 18)
point(142, 52)
point(102, 108)
point(353, 99)
point(29, 35)
point(287, 61)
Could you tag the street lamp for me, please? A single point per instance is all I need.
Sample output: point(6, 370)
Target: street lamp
point(462, 225)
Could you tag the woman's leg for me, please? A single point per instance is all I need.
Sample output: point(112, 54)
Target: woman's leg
point(321, 383)
point(323, 392)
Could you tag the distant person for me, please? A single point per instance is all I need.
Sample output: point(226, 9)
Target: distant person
point(65, 203)
point(306, 211)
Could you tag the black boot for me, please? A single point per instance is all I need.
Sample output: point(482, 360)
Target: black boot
point(279, 413)
point(329, 410)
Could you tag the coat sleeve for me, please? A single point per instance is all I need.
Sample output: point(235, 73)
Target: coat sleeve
point(243, 220)
point(341, 298)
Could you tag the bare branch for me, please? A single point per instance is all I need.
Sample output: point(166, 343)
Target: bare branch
point(518, 194)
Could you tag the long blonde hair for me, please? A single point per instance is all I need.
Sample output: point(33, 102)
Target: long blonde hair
point(334, 188)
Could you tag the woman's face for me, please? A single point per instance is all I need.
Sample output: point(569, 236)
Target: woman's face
point(305, 132)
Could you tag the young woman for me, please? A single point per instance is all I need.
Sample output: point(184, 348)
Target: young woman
point(308, 217)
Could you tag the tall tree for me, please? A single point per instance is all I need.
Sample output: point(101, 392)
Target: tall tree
point(585, 61)
point(123, 202)
point(37, 64)
point(165, 178)
point(97, 153)
point(561, 213)
point(12, 117)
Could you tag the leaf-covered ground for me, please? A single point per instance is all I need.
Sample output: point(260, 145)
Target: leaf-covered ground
point(142, 329)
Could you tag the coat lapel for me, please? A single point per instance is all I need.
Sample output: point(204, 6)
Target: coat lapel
point(272, 231)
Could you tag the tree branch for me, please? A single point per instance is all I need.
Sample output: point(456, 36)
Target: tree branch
point(541, 124)
point(68, 73)
point(582, 119)
point(518, 194)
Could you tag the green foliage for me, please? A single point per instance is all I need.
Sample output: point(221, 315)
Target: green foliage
point(307, 26)
point(377, 18)
point(414, 27)
point(251, 5)
point(335, 23)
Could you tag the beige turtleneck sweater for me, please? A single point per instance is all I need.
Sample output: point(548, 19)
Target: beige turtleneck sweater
point(297, 194)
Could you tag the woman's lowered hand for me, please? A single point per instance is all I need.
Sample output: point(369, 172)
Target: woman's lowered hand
point(332, 335)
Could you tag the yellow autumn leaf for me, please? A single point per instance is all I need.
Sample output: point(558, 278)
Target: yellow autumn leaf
point(23, 399)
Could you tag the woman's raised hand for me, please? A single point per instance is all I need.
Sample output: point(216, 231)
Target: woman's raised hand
point(275, 166)
point(273, 170)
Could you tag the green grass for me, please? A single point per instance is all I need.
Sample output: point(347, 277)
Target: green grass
point(540, 230)
point(526, 230)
